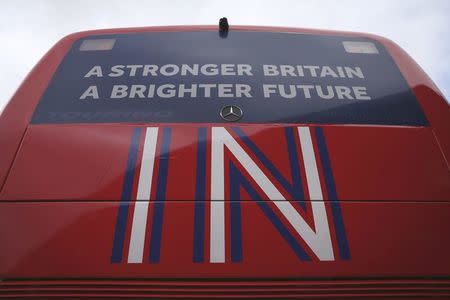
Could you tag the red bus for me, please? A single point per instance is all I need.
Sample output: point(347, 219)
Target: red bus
point(245, 162)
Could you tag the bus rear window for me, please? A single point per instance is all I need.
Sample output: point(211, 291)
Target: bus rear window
point(177, 77)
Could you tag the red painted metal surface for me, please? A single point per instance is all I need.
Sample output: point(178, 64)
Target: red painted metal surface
point(344, 288)
point(75, 240)
point(61, 186)
point(75, 162)
point(402, 235)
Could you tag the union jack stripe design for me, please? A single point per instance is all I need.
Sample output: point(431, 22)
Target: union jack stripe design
point(251, 170)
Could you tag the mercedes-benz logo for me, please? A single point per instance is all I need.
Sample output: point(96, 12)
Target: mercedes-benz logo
point(231, 113)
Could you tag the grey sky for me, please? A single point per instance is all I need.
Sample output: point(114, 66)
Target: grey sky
point(29, 28)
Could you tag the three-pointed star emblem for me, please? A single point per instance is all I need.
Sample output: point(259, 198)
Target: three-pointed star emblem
point(231, 113)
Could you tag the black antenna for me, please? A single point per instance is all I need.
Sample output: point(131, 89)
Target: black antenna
point(223, 27)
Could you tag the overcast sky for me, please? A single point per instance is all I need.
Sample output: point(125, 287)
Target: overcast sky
point(29, 28)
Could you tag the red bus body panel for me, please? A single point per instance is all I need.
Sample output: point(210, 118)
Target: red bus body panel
point(62, 190)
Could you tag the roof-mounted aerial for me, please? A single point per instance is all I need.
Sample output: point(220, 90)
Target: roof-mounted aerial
point(223, 27)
